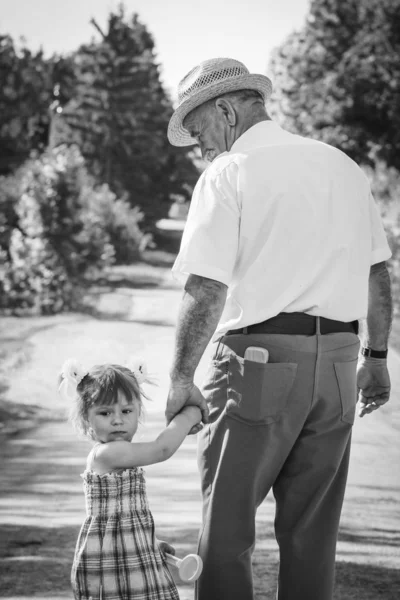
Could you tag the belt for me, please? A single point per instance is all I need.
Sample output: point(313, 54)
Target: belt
point(297, 324)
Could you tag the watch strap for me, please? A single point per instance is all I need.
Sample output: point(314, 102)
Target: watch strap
point(374, 353)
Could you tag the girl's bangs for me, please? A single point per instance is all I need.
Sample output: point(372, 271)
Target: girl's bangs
point(106, 396)
point(110, 383)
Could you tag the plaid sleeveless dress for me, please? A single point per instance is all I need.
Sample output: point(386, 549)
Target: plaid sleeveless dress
point(117, 555)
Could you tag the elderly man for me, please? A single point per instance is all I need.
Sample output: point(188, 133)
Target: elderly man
point(284, 251)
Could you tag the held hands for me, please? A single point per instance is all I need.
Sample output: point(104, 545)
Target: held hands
point(373, 383)
point(193, 415)
point(186, 395)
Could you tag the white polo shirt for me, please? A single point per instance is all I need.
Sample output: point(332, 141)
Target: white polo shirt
point(289, 224)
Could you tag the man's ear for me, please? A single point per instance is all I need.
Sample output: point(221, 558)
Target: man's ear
point(226, 110)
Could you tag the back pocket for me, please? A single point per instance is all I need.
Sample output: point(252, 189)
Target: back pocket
point(346, 375)
point(258, 392)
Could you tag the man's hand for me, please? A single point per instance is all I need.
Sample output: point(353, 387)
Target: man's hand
point(373, 384)
point(185, 394)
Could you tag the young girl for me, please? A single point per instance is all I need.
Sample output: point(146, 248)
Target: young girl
point(117, 556)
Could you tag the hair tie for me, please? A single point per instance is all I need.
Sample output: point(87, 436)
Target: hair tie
point(72, 373)
point(138, 368)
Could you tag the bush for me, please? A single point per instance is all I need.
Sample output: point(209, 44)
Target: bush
point(56, 229)
point(121, 223)
point(35, 277)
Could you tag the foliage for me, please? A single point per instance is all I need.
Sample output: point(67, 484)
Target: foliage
point(27, 82)
point(53, 231)
point(338, 79)
point(119, 115)
point(107, 98)
point(23, 103)
point(121, 223)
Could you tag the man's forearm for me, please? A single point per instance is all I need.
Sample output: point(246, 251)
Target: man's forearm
point(199, 314)
point(380, 308)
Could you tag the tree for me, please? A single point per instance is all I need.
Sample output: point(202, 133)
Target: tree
point(56, 229)
point(24, 99)
point(26, 92)
point(338, 79)
point(119, 118)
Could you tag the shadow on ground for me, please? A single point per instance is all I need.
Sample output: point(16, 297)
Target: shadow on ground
point(353, 581)
point(42, 508)
point(45, 551)
point(372, 536)
point(15, 417)
point(48, 553)
point(366, 582)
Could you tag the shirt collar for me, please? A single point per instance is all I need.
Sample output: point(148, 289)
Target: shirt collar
point(265, 133)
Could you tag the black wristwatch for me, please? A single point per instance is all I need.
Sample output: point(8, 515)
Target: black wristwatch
point(374, 353)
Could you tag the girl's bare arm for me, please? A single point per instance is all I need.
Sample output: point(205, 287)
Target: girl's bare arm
point(125, 455)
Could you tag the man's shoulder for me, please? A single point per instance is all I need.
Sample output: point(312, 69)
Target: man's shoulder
point(221, 172)
point(223, 162)
point(325, 147)
point(335, 154)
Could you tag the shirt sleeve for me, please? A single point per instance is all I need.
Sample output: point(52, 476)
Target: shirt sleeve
point(380, 250)
point(211, 236)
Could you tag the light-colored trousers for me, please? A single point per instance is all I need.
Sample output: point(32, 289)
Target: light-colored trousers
point(284, 425)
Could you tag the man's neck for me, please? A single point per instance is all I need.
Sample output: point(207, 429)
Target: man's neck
point(248, 123)
point(253, 120)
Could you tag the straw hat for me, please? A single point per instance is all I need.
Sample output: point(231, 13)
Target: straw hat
point(211, 79)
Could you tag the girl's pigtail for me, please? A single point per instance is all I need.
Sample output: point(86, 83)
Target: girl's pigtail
point(139, 369)
point(72, 373)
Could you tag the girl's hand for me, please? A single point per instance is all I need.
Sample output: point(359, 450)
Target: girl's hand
point(197, 424)
point(166, 548)
point(193, 413)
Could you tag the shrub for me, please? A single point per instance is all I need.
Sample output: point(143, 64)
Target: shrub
point(121, 223)
point(56, 229)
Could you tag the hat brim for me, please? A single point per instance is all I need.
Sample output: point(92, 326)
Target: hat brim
point(179, 136)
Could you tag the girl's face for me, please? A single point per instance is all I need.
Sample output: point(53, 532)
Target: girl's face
point(118, 421)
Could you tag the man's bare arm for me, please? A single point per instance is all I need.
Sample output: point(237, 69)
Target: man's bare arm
point(200, 311)
point(380, 308)
point(373, 379)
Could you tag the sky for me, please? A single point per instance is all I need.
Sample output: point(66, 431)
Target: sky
point(185, 31)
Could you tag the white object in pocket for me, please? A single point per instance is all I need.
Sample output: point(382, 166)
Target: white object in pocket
point(256, 354)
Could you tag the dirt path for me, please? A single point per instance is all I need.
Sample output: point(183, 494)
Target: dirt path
point(41, 500)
